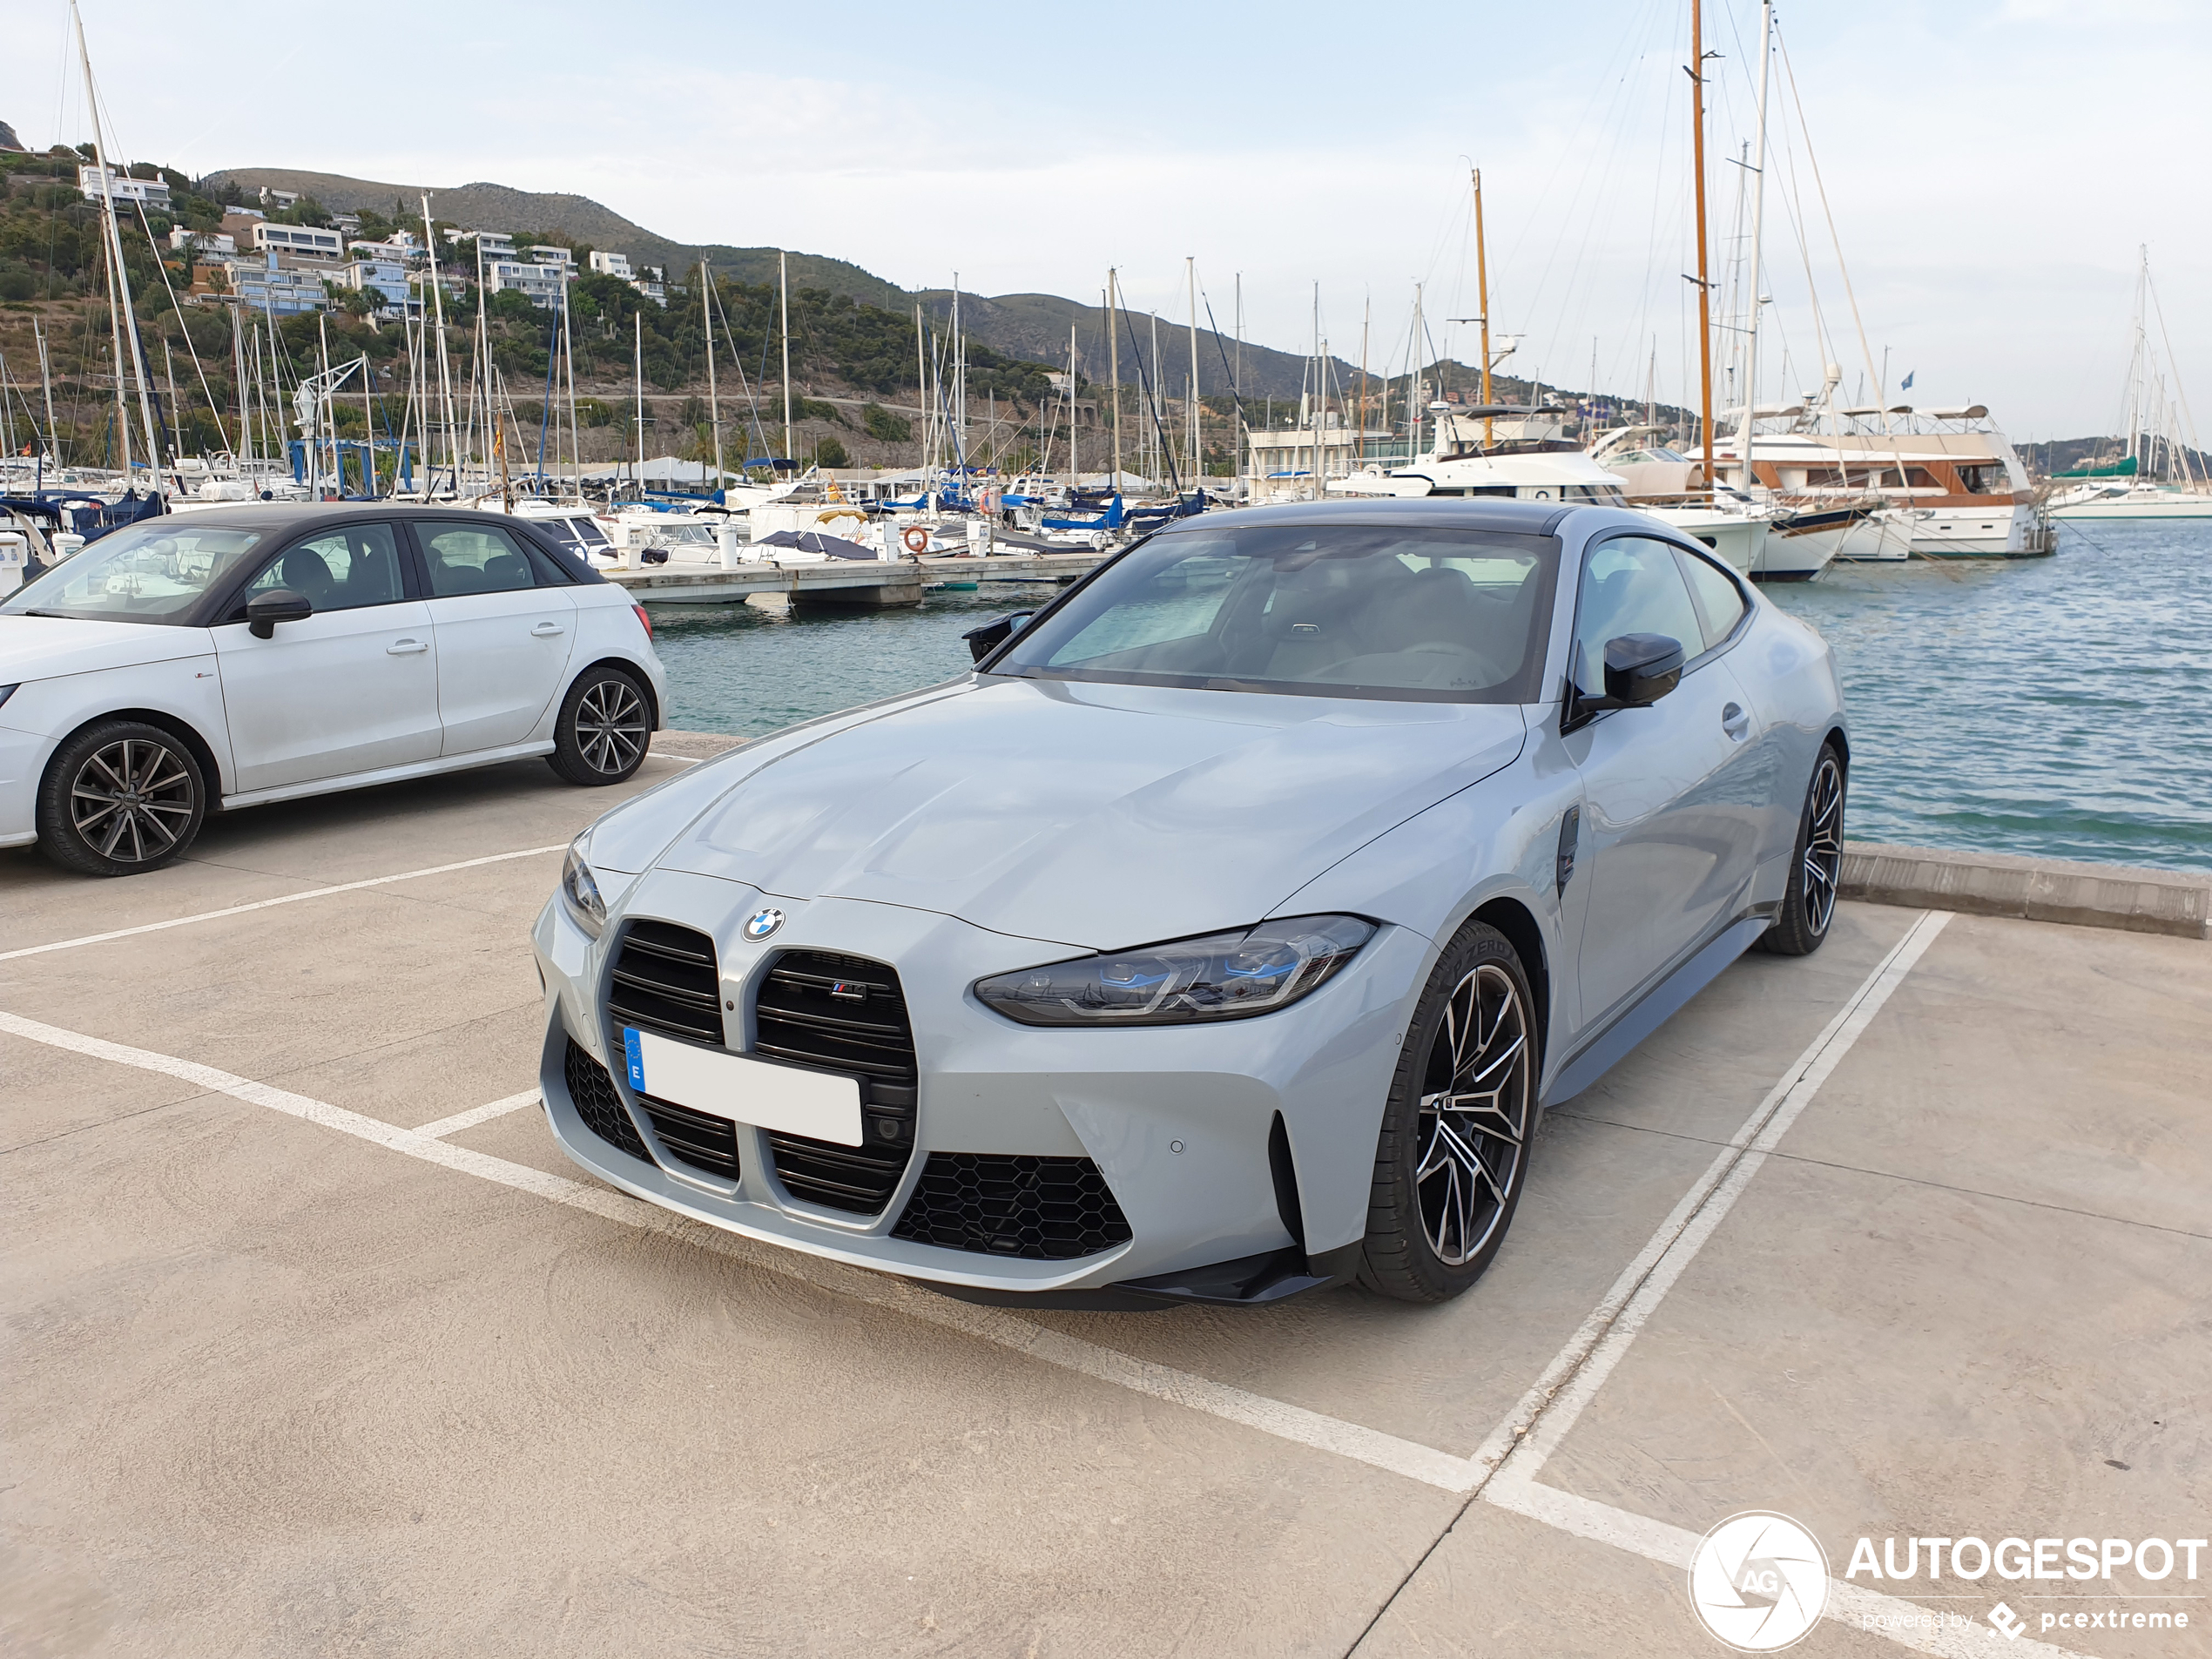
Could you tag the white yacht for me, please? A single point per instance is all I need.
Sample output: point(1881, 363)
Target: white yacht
point(2156, 471)
point(1955, 491)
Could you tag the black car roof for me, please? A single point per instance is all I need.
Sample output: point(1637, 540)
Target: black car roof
point(279, 515)
point(1458, 512)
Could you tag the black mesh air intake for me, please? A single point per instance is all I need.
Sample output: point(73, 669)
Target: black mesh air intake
point(843, 1013)
point(593, 1094)
point(1040, 1208)
point(664, 980)
point(709, 1144)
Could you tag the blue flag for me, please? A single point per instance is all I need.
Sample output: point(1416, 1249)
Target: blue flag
point(1907, 384)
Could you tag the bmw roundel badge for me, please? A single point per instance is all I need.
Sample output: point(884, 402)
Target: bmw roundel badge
point(761, 923)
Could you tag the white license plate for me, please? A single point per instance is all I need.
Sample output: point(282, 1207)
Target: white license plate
point(785, 1099)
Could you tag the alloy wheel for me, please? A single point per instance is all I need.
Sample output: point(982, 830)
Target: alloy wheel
point(611, 726)
point(1478, 1089)
point(131, 800)
point(1823, 859)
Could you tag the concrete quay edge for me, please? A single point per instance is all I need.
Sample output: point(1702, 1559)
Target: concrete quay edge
point(1983, 884)
point(2000, 884)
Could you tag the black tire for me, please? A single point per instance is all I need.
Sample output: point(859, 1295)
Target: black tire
point(1816, 867)
point(1449, 1177)
point(606, 726)
point(120, 798)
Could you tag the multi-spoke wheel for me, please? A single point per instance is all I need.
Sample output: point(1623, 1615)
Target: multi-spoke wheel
point(1810, 903)
point(119, 799)
point(1453, 1151)
point(605, 728)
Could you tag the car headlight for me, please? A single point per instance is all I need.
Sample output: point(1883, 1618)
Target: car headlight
point(1221, 976)
point(580, 893)
point(7, 692)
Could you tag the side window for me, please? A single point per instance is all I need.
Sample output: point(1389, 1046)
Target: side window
point(1630, 585)
point(340, 570)
point(1720, 602)
point(472, 558)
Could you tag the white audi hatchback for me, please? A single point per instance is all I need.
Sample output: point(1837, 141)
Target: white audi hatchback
point(241, 656)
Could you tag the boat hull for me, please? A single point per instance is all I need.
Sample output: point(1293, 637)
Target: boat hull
point(2145, 504)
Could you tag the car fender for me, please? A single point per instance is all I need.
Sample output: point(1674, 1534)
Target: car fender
point(184, 689)
point(1496, 840)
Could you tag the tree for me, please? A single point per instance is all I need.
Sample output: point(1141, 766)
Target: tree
point(830, 452)
point(885, 426)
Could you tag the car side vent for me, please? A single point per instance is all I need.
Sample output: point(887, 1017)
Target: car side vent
point(592, 1092)
point(1039, 1208)
point(843, 1013)
point(664, 979)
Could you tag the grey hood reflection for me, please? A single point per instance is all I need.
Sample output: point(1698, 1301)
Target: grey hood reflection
point(1097, 816)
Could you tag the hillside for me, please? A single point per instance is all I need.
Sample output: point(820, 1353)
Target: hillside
point(1032, 326)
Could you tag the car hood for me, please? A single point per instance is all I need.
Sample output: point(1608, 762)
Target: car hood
point(38, 648)
point(1091, 815)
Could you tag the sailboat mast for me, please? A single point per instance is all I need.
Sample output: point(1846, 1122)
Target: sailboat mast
point(1482, 305)
point(1074, 476)
point(1704, 286)
point(1745, 476)
point(783, 289)
point(111, 245)
point(46, 382)
point(713, 407)
point(637, 362)
point(1114, 369)
point(1191, 272)
point(445, 364)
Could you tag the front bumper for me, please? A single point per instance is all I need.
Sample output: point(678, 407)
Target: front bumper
point(23, 763)
point(1178, 1121)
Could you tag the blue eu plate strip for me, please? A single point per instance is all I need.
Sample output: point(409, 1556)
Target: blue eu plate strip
point(634, 1051)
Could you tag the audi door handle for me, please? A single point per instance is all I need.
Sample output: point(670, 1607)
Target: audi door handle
point(545, 630)
point(406, 647)
point(1735, 722)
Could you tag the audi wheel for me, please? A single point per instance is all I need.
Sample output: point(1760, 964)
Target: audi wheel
point(120, 798)
point(605, 728)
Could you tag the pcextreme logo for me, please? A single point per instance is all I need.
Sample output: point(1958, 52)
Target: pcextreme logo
point(1759, 1582)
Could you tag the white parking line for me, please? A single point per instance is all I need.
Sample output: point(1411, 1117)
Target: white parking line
point(475, 1115)
point(1502, 1471)
point(270, 904)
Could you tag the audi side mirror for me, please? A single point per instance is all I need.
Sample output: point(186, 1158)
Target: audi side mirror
point(265, 611)
point(983, 641)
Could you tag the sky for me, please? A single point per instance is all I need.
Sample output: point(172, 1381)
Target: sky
point(1988, 169)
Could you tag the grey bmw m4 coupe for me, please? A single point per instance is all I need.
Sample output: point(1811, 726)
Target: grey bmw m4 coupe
point(1223, 931)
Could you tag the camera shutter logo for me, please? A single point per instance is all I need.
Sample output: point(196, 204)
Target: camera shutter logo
point(1759, 1582)
point(761, 923)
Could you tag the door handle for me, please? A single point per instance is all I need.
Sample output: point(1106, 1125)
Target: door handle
point(406, 647)
point(1735, 722)
point(545, 630)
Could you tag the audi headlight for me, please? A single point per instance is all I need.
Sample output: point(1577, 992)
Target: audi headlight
point(1221, 976)
point(580, 893)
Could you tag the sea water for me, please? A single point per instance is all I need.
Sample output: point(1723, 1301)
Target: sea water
point(2058, 707)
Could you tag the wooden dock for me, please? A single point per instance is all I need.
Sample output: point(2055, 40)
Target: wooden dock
point(854, 583)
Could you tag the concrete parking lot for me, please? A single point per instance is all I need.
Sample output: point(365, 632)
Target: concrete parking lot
point(316, 1344)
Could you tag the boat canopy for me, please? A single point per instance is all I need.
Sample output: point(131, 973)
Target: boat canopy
point(2125, 468)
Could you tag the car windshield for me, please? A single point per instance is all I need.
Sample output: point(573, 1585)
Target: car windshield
point(1412, 614)
point(156, 571)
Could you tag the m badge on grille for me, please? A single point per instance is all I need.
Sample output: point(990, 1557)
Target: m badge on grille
point(761, 923)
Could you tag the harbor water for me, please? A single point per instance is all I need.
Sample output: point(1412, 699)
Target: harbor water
point(2052, 707)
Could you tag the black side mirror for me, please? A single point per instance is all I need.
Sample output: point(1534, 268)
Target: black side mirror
point(983, 641)
point(1640, 669)
point(265, 611)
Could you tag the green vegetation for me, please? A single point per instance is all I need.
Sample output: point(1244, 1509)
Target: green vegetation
point(831, 453)
point(885, 426)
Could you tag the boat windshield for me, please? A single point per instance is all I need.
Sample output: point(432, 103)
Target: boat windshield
point(157, 571)
point(1408, 614)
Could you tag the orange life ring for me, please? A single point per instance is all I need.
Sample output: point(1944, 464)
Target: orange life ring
point(914, 539)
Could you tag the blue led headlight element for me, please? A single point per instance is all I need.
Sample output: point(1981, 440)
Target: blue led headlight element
point(1221, 976)
point(580, 893)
